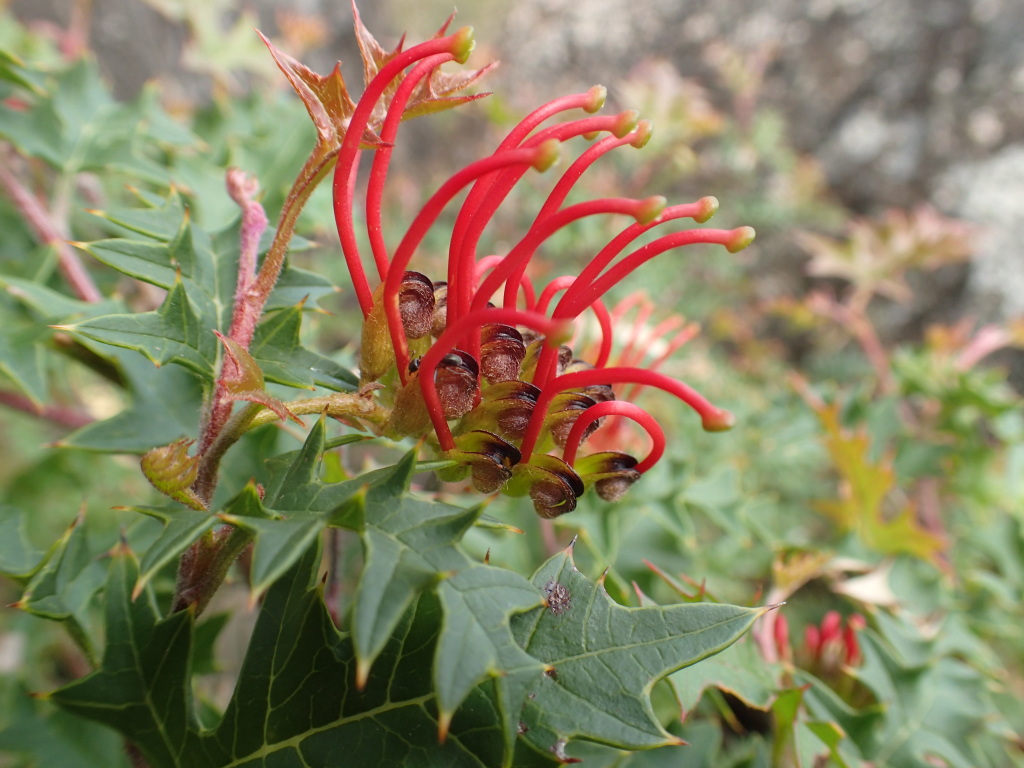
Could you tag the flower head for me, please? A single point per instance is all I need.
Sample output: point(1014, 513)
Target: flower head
point(477, 360)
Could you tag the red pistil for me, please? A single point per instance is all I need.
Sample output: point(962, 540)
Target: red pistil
point(637, 138)
point(382, 157)
point(733, 239)
point(459, 45)
point(616, 408)
point(512, 268)
point(553, 331)
point(714, 419)
point(540, 157)
point(600, 310)
point(461, 259)
point(589, 101)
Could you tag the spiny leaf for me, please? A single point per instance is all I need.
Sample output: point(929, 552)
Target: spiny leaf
point(410, 547)
point(283, 359)
point(141, 688)
point(604, 658)
point(18, 558)
point(172, 334)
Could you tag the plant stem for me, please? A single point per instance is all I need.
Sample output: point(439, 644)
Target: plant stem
point(46, 229)
point(62, 415)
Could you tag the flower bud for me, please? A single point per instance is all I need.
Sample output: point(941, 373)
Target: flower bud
point(456, 381)
point(416, 305)
point(610, 472)
point(505, 409)
point(552, 485)
point(489, 457)
point(501, 352)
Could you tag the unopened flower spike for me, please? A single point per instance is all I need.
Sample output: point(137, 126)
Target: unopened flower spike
point(479, 361)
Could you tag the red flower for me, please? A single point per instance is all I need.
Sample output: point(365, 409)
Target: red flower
point(494, 385)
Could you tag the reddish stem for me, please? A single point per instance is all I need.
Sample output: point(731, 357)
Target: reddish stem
point(616, 408)
point(58, 414)
point(46, 230)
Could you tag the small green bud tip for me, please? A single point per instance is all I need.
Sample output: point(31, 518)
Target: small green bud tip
point(708, 208)
point(548, 153)
point(598, 95)
point(626, 123)
point(719, 420)
point(741, 238)
point(643, 132)
point(463, 44)
point(651, 209)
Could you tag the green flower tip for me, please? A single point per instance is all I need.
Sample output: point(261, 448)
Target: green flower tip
point(719, 420)
point(643, 132)
point(548, 153)
point(708, 208)
point(741, 238)
point(626, 123)
point(463, 44)
point(651, 209)
point(598, 95)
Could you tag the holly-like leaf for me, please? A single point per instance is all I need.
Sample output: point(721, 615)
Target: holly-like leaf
point(166, 400)
point(603, 658)
point(410, 547)
point(283, 359)
point(296, 701)
point(174, 333)
point(200, 273)
point(739, 670)
point(141, 689)
point(18, 558)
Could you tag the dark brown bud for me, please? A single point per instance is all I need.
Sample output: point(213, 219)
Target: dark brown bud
point(505, 409)
point(489, 457)
point(456, 382)
point(416, 305)
point(501, 352)
point(565, 408)
point(552, 484)
point(611, 473)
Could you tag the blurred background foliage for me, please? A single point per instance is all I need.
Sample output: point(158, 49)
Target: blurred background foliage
point(873, 481)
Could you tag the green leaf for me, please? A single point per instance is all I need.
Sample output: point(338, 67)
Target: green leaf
point(141, 688)
point(18, 558)
point(172, 334)
point(410, 547)
point(296, 701)
point(182, 526)
point(739, 670)
point(166, 400)
point(603, 658)
point(278, 351)
point(45, 736)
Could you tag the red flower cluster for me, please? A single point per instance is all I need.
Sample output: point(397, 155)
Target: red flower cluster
point(828, 648)
point(495, 384)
